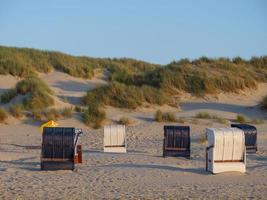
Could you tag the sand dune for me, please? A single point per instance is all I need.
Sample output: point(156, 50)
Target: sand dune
point(68, 88)
point(7, 82)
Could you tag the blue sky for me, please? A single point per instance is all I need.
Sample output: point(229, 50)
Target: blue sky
point(157, 31)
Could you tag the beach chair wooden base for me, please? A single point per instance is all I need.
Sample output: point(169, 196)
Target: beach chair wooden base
point(115, 149)
point(172, 153)
point(57, 165)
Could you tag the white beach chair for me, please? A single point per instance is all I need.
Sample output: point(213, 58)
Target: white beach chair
point(226, 150)
point(114, 139)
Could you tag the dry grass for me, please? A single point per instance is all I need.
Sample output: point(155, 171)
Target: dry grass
point(37, 95)
point(215, 118)
point(3, 115)
point(126, 121)
point(222, 121)
point(206, 115)
point(165, 117)
point(78, 109)
point(37, 115)
point(67, 112)
point(94, 116)
point(16, 111)
point(256, 121)
point(203, 139)
point(241, 119)
point(52, 114)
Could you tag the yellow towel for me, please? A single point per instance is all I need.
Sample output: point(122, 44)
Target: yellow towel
point(50, 123)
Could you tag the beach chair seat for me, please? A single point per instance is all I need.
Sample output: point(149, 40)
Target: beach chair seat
point(59, 148)
point(115, 139)
point(226, 150)
point(250, 136)
point(176, 141)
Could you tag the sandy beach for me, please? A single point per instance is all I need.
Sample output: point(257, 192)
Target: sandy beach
point(141, 173)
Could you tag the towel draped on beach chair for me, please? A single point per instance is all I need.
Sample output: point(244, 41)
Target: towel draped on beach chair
point(50, 123)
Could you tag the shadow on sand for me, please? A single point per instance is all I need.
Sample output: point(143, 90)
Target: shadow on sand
point(146, 118)
point(161, 167)
point(71, 99)
point(23, 146)
point(251, 111)
point(3, 90)
point(24, 164)
point(73, 86)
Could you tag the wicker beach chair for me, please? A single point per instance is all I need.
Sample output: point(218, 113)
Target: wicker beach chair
point(176, 141)
point(226, 150)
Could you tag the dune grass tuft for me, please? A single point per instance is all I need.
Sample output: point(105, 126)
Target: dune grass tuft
point(125, 96)
point(125, 121)
point(3, 115)
point(166, 117)
point(37, 95)
point(203, 115)
point(52, 114)
point(222, 121)
point(16, 110)
point(78, 108)
point(67, 112)
point(37, 115)
point(241, 119)
point(206, 115)
point(94, 116)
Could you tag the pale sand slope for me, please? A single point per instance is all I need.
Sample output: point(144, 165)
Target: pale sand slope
point(68, 88)
point(227, 105)
point(7, 82)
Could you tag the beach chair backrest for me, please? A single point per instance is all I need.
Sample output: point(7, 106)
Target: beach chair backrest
point(114, 135)
point(58, 143)
point(228, 144)
point(177, 136)
point(250, 133)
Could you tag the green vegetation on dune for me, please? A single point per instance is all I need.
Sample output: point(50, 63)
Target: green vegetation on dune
point(132, 85)
point(16, 111)
point(167, 117)
point(125, 96)
point(3, 115)
point(51, 114)
point(37, 95)
point(197, 77)
point(124, 121)
point(23, 62)
point(94, 116)
point(132, 82)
